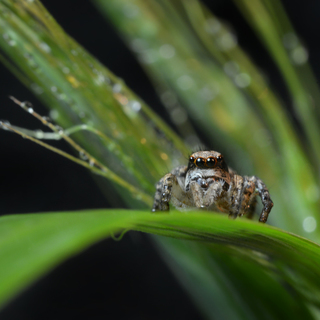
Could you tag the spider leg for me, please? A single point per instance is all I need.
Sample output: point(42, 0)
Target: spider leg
point(163, 193)
point(265, 198)
point(169, 188)
point(236, 196)
point(248, 198)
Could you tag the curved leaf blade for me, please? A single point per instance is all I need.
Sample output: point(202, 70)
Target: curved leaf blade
point(32, 244)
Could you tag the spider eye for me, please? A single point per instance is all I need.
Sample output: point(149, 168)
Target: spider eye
point(200, 162)
point(191, 159)
point(219, 158)
point(211, 162)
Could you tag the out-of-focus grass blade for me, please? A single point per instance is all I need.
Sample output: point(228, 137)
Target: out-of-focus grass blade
point(41, 241)
point(195, 58)
point(295, 164)
point(138, 145)
point(268, 19)
point(227, 277)
point(171, 54)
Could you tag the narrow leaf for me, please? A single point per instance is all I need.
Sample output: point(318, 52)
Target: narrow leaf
point(41, 241)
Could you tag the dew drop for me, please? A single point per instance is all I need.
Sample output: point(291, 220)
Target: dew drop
point(231, 68)
point(299, 55)
point(117, 88)
point(62, 96)
point(135, 106)
point(208, 94)
point(130, 10)
point(5, 122)
point(12, 43)
point(227, 41)
point(46, 119)
point(185, 82)
point(54, 114)
point(30, 60)
point(309, 224)
point(9, 40)
point(39, 134)
point(139, 45)
point(45, 47)
point(149, 56)
point(167, 51)
point(100, 79)
point(83, 156)
point(112, 146)
point(212, 26)
point(178, 116)
point(242, 80)
point(36, 89)
point(74, 52)
point(59, 128)
point(30, 110)
point(65, 70)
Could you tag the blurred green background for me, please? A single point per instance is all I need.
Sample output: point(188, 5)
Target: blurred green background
point(234, 76)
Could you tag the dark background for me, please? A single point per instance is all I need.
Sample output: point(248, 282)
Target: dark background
point(33, 179)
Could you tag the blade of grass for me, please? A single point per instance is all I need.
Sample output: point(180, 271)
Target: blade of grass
point(270, 32)
point(230, 116)
point(81, 90)
point(228, 276)
point(40, 241)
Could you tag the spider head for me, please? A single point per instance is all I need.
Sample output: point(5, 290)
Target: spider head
point(207, 160)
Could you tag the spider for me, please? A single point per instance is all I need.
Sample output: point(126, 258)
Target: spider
point(208, 183)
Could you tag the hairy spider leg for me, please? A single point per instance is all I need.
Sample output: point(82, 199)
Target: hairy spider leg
point(163, 193)
point(265, 198)
point(236, 196)
point(168, 188)
point(248, 198)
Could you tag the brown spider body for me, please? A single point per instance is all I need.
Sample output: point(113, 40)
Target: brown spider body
point(208, 183)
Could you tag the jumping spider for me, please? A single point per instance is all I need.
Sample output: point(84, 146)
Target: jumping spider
point(208, 183)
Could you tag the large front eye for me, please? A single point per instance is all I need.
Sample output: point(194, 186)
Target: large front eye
point(200, 162)
point(211, 162)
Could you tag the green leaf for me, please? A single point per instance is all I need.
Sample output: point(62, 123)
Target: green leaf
point(32, 244)
point(247, 122)
point(236, 268)
point(288, 52)
point(135, 141)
